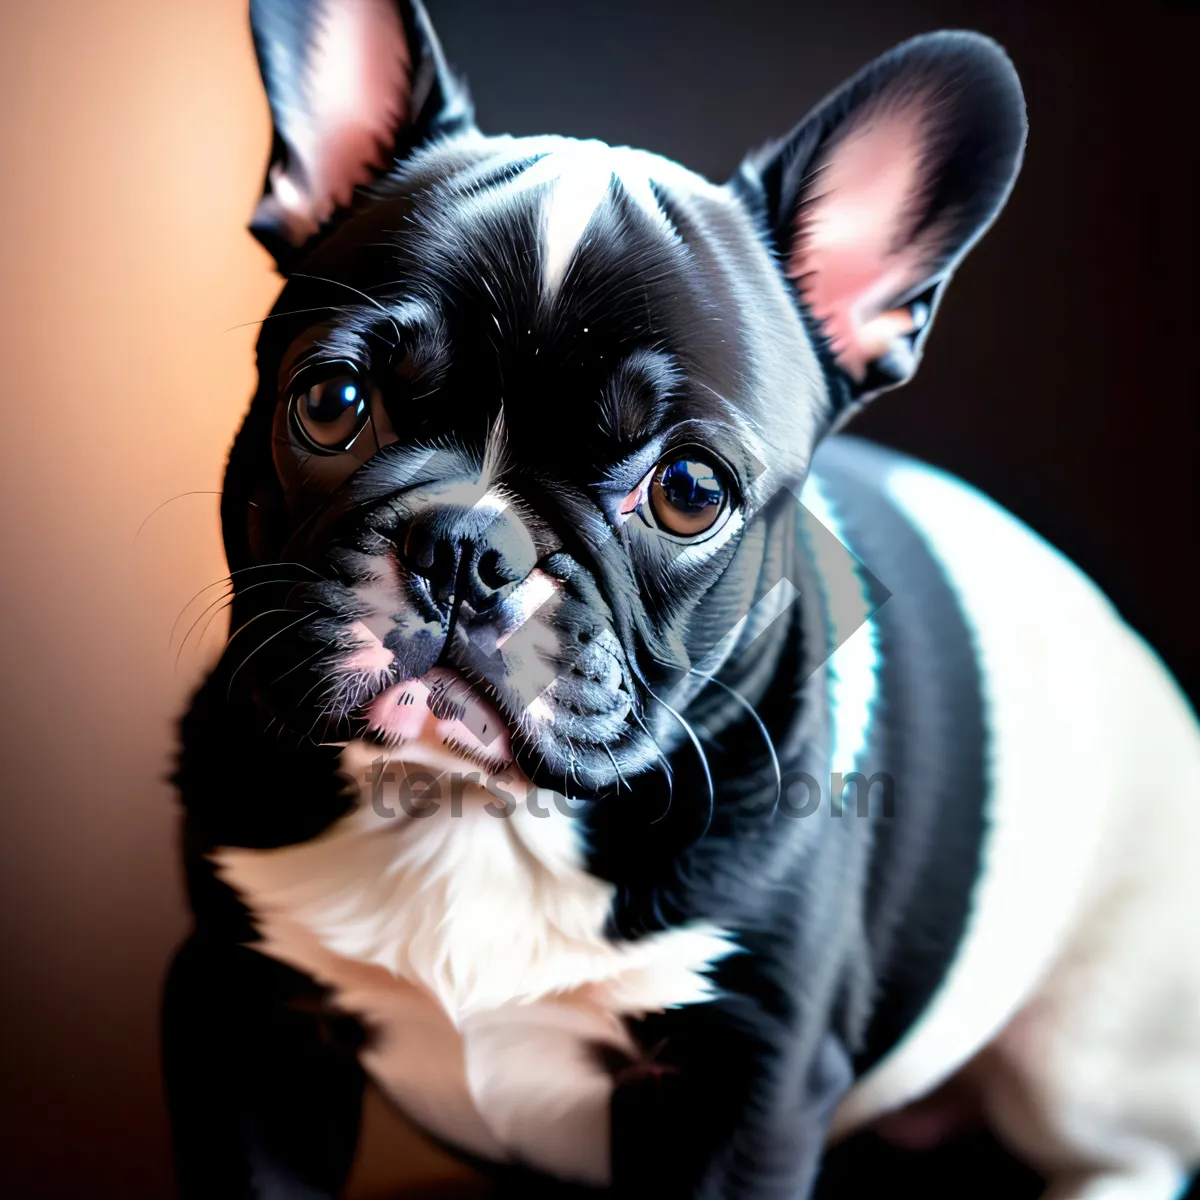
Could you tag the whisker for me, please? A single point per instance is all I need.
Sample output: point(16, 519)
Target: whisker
point(204, 631)
point(292, 312)
point(321, 682)
point(183, 611)
point(208, 624)
point(303, 662)
point(281, 563)
point(571, 762)
point(666, 768)
point(263, 645)
point(325, 701)
point(256, 617)
point(170, 500)
point(228, 595)
point(358, 292)
point(228, 579)
point(762, 729)
point(612, 758)
point(225, 601)
point(691, 734)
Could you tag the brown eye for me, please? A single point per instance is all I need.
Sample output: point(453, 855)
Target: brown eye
point(687, 495)
point(330, 413)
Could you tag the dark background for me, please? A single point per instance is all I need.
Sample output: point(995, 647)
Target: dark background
point(1060, 378)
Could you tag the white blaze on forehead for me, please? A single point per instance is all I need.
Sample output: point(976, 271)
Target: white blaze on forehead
point(585, 174)
point(576, 179)
point(580, 188)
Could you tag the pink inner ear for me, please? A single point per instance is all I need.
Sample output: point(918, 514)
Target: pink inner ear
point(854, 253)
point(357, 88)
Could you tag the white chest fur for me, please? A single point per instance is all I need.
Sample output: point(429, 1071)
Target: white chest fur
point(472, 945)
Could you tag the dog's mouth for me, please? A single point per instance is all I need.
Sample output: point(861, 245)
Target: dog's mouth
point(443, 712)
point(539, 683)
point(494, 690)
point(457, 714)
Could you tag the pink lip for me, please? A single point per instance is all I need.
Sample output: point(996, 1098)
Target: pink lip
point(441, 707)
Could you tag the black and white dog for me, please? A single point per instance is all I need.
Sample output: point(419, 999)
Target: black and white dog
point(643, 787)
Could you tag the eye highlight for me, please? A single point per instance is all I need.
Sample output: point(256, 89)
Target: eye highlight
point(688, 494)
point(331, 412)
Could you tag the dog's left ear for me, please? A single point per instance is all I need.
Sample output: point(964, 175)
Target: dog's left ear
point(353, 86)
point(874, 199)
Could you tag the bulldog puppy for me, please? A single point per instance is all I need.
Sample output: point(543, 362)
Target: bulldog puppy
point(645, 788)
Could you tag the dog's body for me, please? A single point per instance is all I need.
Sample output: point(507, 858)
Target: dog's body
point(580, 786)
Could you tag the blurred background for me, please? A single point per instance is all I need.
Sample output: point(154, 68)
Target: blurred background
point(1061, 379)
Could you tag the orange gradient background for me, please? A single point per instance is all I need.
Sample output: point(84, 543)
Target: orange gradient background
point(132, 145)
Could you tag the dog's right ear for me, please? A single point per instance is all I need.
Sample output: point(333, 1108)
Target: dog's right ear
point(353, 86)
point(874, 199)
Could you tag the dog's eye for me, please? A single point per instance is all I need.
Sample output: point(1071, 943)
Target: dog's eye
point(687, 495)
point(330, 414)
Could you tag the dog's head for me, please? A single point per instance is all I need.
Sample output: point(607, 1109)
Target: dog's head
point(526, 405)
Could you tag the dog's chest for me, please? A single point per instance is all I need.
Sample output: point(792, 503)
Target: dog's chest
point(471, 946)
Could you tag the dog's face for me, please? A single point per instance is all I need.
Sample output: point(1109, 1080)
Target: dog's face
point(529, 409)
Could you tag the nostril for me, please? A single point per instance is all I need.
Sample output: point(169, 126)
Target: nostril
point(432, 557)
point(418, 548)
point(444, 568)
point(490, 570)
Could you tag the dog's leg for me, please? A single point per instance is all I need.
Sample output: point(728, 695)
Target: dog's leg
point(712, 1130)
point(1160, 1179)
point(264, 1094)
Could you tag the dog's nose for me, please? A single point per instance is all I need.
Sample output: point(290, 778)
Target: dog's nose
point(468, 554)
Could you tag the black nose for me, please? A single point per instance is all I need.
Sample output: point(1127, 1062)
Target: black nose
point(468, 554)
